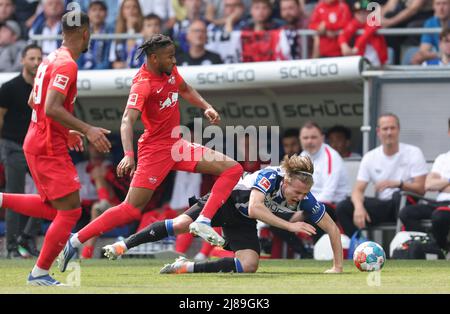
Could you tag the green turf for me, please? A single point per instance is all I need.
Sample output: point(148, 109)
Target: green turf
point(274, 276)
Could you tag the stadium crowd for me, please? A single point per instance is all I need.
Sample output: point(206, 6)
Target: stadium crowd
point(226, 31)
point(229, 31)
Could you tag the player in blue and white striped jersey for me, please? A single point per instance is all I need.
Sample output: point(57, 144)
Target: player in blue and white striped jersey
point(278, 196)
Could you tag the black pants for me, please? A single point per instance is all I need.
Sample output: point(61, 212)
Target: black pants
point(13, 158)
point(378, 210)
point(440, 220)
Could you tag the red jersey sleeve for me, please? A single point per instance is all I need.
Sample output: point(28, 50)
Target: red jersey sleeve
point(62, 77)
point(178, 78)
point(139, 94)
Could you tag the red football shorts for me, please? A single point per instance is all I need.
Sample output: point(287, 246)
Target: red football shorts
point(156, 160)
point(54, 176)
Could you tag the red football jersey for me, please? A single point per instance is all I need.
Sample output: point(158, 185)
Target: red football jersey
point(58, 72)
point(156, 97)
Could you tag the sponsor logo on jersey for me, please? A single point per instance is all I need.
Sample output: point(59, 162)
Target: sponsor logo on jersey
point(132, 99)
point(169, 102)
point(61, 81)
point(264, 183)
point(316, 208)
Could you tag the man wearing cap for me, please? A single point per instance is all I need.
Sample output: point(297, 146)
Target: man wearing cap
point(10, 46)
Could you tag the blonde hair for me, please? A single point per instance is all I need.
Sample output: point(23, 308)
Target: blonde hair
point(298, 167)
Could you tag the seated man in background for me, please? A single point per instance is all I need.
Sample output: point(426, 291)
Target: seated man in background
point(331, 184)
point(429, 43)
point(291, 142)
point(197, 54)
point(328, 18)
point(444, 50)
point(392, 167)
point(439, 213)
point(339, 138)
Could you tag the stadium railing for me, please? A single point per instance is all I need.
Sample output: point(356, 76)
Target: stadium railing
point(304, 33)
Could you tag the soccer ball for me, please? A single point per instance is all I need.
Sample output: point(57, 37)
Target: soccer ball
point(369, 256)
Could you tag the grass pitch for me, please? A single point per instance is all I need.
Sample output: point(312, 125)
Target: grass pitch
point(273, 276)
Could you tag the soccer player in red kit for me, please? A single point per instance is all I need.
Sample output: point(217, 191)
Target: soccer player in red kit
point(154, 95)
point(53, 129)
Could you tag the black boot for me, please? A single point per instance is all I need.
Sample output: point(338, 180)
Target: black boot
point(27, 242)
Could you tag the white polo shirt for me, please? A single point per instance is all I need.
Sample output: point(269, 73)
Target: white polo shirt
point(331, 184)
point(441, 166)
point(408, 163)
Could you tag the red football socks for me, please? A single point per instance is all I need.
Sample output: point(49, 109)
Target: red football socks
point(221, 190)
point(28, 205)
point(57, 236)
point(115, 216)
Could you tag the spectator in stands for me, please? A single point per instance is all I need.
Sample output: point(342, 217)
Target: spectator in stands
point(444, 51)
point(180, 29)
point(369, 44)
point(129, 21)
point(291, 143)
point(180, 9)
point(391, 167)
point(7, 10)
point(225, 15)
point(292, 14)
point(339, 138)
point(397, 13)
point(331, 184)
point(97, 57)
point(15, 115)
point(328, 18)
point(11, 47)
point(152, 25)
point(161, 8)
point(49, 24)
point(261, 35)
point(429, 43)
point(261, 17)
point(25, 11)
point(437, 180)
point(197, 54)
point(401, 14)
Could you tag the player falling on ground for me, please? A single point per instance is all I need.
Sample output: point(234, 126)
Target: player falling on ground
point(46, 143)
point(154, 94)
point(278, 196)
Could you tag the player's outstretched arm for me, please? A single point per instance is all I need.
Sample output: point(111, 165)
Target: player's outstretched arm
point(328, 225)
point(191, 95)
point(127, 164)
point(257, 210)
point(54, 108)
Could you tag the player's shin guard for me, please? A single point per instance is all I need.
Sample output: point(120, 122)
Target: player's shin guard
point(221, 190)
point(116, 216)
point(224, 265)
point(154, 232)
point(28, 205)
point(57, 236)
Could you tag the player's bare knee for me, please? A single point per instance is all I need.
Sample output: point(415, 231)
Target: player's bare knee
point(181, 224)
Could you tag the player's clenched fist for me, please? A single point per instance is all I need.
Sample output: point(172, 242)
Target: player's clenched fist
point(212, 115)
